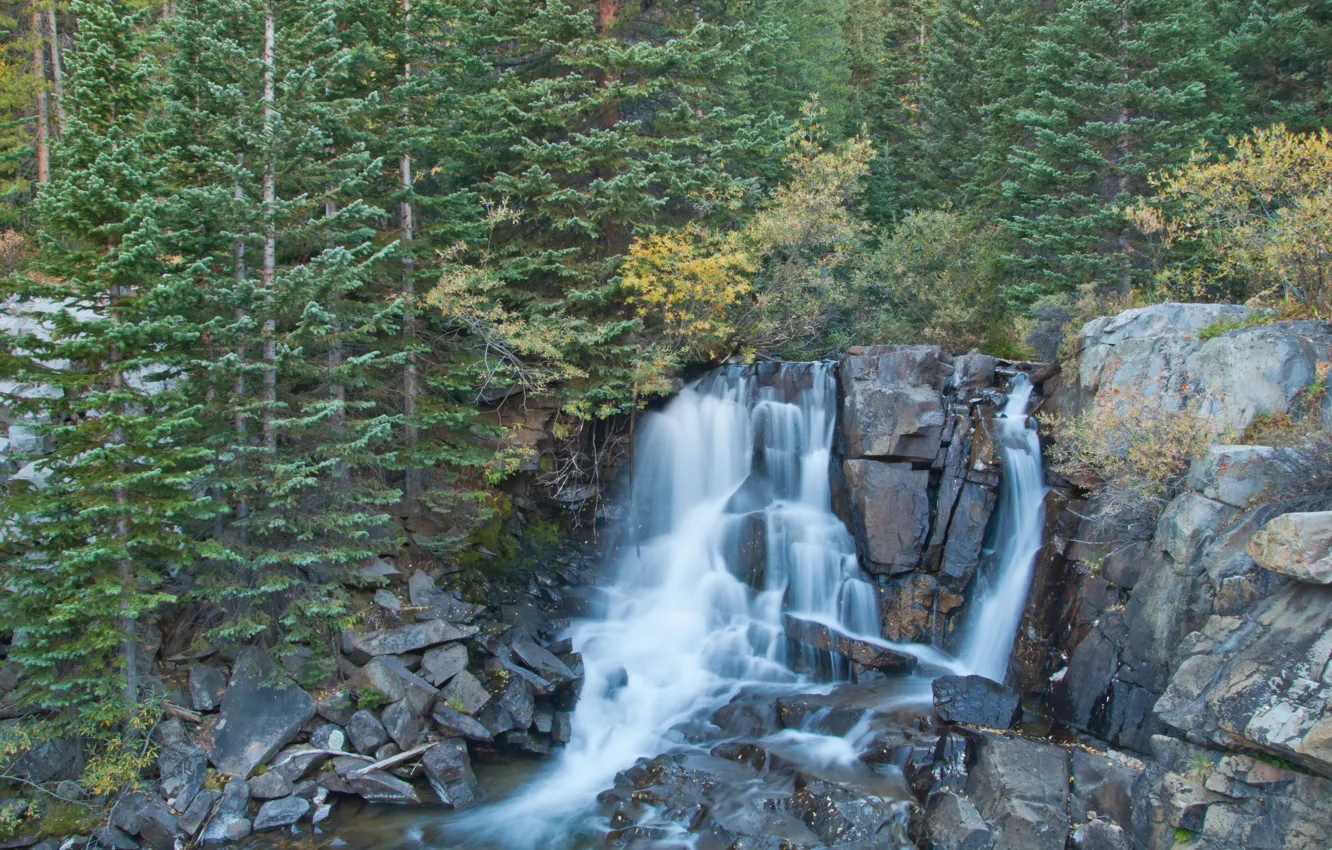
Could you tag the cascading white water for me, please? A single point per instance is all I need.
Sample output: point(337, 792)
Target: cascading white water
point(730, 463)
point(730, 526)
point(1001, 596)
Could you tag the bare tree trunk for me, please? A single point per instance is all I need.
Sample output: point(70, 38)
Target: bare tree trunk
point(407, 224)
point(268, 272)
point(337, 391)
point(57, 74)
point(242, 504)
point(129, 649)
point(39, 73)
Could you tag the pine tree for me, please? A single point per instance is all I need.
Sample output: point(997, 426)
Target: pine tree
point(1281, 51)
point(103, 375)
point(1119, 91)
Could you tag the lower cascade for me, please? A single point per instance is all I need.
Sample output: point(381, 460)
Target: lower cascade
point(729, 542)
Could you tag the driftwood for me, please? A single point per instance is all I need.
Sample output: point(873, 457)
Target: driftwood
point(318, 752)
point(173, 710)
point(393, 760)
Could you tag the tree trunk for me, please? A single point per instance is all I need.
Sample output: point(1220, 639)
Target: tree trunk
point(129, 650)
point(242, 504)
point(268, 272)
point(39, 73)
point(57, 74)
point(613, 239)
point(407, 225)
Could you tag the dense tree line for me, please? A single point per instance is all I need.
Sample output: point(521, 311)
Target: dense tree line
point(274, 257)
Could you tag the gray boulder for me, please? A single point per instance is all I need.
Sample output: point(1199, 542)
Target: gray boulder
point(465, 693)
point(542, 661)
point(975, 700)
point(448, 769)
point(1297, 545)
point(270, 786)
point(892, 407)
point(1021, 789)
point(183, 769)
point(1100, 835)
point(381, 787)
point(361, 647)
point(952, 823)
point(366, 733)
point(337, 707)
point(262, 711)
point(1233, 475)
point(207, 685)
point(456, 724)
point(390, 677)
point(443, 663)
point(229, 822)
point(200, 807)
point(401, 725)
point(276, 814)
point(1103, 785)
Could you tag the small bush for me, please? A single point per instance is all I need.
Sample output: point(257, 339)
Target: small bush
point(1135, 456)
point(1304, 475)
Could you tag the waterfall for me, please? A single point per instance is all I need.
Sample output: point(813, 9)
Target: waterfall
point(1001, 596)
point(729, 528)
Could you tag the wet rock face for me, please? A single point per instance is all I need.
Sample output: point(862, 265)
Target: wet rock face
point(1021, 789)
point(918, 478)
point(975, 700)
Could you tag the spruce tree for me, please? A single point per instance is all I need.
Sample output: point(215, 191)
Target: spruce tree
point(105, 514)
point(1281, 51)
point(1119, 91)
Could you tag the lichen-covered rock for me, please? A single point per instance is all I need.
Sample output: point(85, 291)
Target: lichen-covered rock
point(1260, 682)
point(262, 711)
point(1233, 475)
point(389, 676)
point(361, 647)
point(276, 814)
point(1298, 545)
point(443, 663)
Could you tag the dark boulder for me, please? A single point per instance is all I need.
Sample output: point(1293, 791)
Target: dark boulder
point(276, 814)
point(361, 647)
point(391, 677)
point(456, 724)
point(465, 693)
point(262, 711)
point(1020, 787)
point(975, 700)
point(183, 769)
point(443, 663)
point(867, 654)
point(366, 733)
point(952, 823)
point(448, 769)
point(207, 685)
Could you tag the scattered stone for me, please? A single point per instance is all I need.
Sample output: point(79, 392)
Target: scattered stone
point(366, 733)
point(975, 700)
point(328, 737)
point(1100, 835)
point(448, 769)
point(952, 823)
point(512, 706)
point(276, 814)
point(390, 677)
point(207, 685)
point(1297, 545)
point(183, 769)
point(542, 661)
point(229, 822)
point(401, 724)
point(376, 569)
point(443, 663)
point(388, 601)
point(465, 693)
point(456, 724)
point(338, 707)
point(361, 647)
point(1021, 790)
point(380, 787)
point(115, 839)
point(262, 711)
point(158, 826)
point(200, 807)
point(270, 786)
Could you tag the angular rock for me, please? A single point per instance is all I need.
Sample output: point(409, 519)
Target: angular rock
point(183, 769)
point(388, 601)
point(1104, 786)
point(891, 513)
point(338, 707)
point(49, 761)
point(465, 693)
point(1100, 835)
point(276, 814)
point(891, 406)
point(511, 706)
point(975, 700)
point(1233, 475)
point(952, 823)
point(542, 661)
point(1188, 524)
point(380, 787)
point(456, 724)
point(1021, 789)
point(401, 724)
point(206, 687)
point(1298, 545)
point(443, 663)
point(115, 838)
point(562, 729)
point(361, 647)
point(448, 769)
point(873, 656)
point(366, 733)
point(262, 711)
point(229, 822)
point(965, 535)
point(328, 737)
point(270, 786)
point(390, 677)
point(200, 807)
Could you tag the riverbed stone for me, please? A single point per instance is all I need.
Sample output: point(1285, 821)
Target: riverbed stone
point(456, 724)
point(276, 814)
point(270, 786)
point(360, 647)
point(229, 822)
point(1020, 787)
point(183, 769)
point(401, 724)
point(890, 507)
point(542, 661)
point(1298, 545)
point(263, 710)
point(952, 823)
point(975, 700)
point(825, 639)
point(366, 732)
point(207, 684)
point(448, 769)
point(442, 663)
point(465, 693)
point(391, 677)
point(381, 787)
